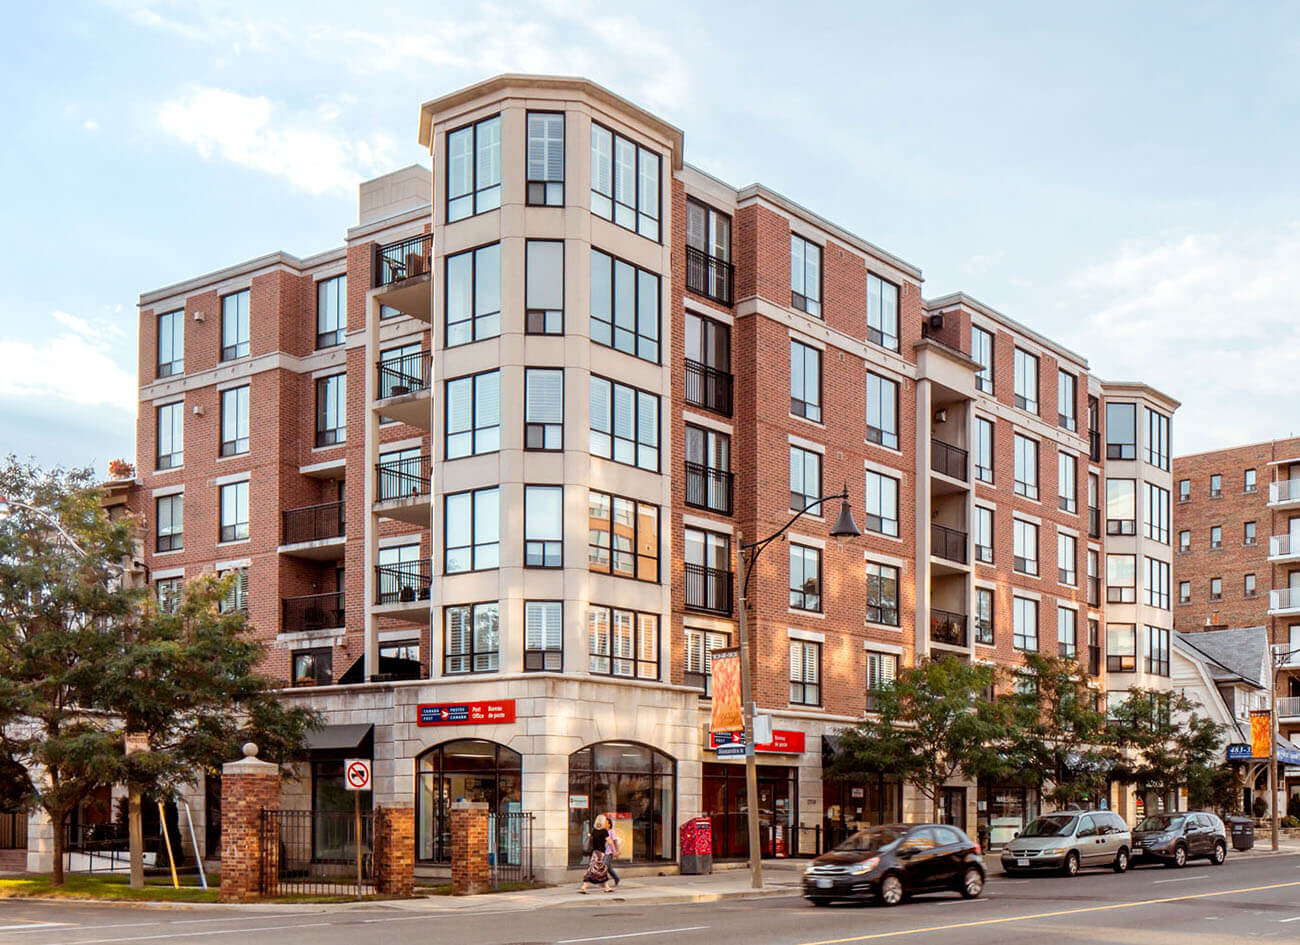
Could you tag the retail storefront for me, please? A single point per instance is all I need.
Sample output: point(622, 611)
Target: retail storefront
point(724, 803)
point(466, 769)
point(1003, 810)
point(850, 804)
point(636, 787)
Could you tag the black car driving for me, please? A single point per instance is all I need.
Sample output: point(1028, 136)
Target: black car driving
point(1175, 838)
point(884, 864)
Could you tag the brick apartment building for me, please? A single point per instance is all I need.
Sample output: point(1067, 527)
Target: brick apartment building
point(1237, 560)
point(483, 471)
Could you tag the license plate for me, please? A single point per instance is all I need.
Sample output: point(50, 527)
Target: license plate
point(823, 884)
point(1022, 862)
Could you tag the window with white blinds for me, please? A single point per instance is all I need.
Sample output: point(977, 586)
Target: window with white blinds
point(624, 424)
point(473, 408)
point(544, 287)
point(474, 169)
point(805, 673)
point(543, 636)
point(472, 639)
point(543, 526)
point(236, 599)
point(546, 159)
point(624, 182)
point(543, 409)
point(882, 668)
point(700, 645)
point(623, 643)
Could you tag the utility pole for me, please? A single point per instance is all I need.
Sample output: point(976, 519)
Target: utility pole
point(747, 708)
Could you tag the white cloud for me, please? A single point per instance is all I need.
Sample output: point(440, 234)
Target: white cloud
point(75, 367)
point(1211, 320)
point(306, 148)
point(90, 124)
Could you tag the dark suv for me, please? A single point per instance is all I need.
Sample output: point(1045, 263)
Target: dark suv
point(889, 862)
point(1175, 838)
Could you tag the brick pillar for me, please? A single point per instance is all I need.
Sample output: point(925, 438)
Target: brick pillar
point(469, 848)
point(247, 787)
point(394, 869)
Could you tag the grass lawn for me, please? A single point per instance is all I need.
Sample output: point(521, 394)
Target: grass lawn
point(110, 886)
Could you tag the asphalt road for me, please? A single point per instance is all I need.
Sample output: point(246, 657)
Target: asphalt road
point(1257, 898)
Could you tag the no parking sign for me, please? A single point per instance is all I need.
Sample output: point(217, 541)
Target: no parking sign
point(356, 774)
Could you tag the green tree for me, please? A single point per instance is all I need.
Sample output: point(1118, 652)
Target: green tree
point(1057, 736)
point(1165, 743)
point(933, 723)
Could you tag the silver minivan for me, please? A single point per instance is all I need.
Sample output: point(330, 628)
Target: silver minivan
point(1068, 841)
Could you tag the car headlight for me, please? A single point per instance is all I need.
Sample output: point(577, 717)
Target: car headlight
point(866, 866)
point(1055, 851)
point(809, 869)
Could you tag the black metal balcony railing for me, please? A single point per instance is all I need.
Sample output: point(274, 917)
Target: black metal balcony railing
point(947, 627)
point(1094, 522)
point(1092, 661)
point(709, 275)
point(404, 374)
point(313, 522)
point(708, 488)
point(403, 478)
point(948, 459)
point(708, 588)
point(708, 387)
point(312, 612)
point(402, 582)
point(1094, 445)
point(948, 543)
point(403, 260)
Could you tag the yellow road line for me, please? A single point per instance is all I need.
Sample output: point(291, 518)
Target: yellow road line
point(1048, 915)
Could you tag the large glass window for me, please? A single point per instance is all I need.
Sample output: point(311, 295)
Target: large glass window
point(805, 381)
point(234, 325)
point(171, 343)
point(543, 636)
point(546, 159)
point(1066, 400)
point(623, 537)
point(470, 769)
point(622, 643)
point(1157, 651)
point(544, 287)
point(171, 436)
point(624, 424)
point(805, 478)
point(331, 311)
point(882, 312)
point(1157, 439)
point(331, 409)
point(700, 645)
point(473, 415)
point(473, 638)
point(543, 526)
point(882, 411)
point(805, 275)
point(1121, 648)
point(983, 450)
point(805, 673)
point(1121, 507)
point(635, 785)
point(981, 352)
point(315, 667)
point(1121, 579)
point(1156, 583)
point(1067, 484)
point(543, 409)
point(472, 530)
point(1026, 466)
point(805, 577)
point(624, 182)
point(882, 503)
point(1024, 624)
point(234, 421)
point(1121, 431)
point(170, 522)
point(474, 169)
point(882, 668)
point(473, 295)
point(1026, 381)
point(708, 469)
point(882, 594)
point(236, 599)
point(708, 252)
point(1067, 558)
point(1155, 511)
point(1025, 546)
point(624, 307)
point(707, 565)
point(234, 511)
point(1067, 632)
point(984, 616)
point(983, 535)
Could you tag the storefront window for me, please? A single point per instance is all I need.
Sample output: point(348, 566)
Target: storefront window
point(332, 837)
point(724, 802)
point(636, 786)
point(851, 805)
point(1003, 810)
point(470, 769)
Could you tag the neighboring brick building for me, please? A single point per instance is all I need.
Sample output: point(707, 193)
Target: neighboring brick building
point(603, 339)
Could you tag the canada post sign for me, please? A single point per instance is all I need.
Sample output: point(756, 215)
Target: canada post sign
point(467, 713)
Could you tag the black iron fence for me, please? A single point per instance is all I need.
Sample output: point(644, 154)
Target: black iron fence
point(510, 847)
point(105, 848)
point(708, 488)
point(314, 853)
point(708, 387)
point(709, 275)
point(403, 260)
point(947, 627)
point(404, 374)
point(948, 459)
point(947, 543)
point(312, 612)
point(402, 582)
point(403, 478)
point(313, 522)
point(708, 588)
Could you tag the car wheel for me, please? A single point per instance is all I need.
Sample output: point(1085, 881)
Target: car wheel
point(1071, 867)
point(1220, 853)
point(891, 890)
point(972, 883)
point(1121, 863)
point(1180, 858)
point(818, 901)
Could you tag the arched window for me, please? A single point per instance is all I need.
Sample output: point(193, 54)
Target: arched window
point(468, 769)
point(637, 786)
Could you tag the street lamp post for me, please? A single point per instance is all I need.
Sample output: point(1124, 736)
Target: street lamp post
point(843, 528)
point(1280, 658)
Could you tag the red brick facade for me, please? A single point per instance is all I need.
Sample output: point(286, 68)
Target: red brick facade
point(247, 788)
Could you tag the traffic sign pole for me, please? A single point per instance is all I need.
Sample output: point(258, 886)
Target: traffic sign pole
point(356, 778)
point(356, 808)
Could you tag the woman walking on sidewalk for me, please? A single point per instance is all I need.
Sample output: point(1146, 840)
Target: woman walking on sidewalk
point(598, 865)
point(613, 850)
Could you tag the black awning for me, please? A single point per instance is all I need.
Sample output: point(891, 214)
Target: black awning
point(340, 741)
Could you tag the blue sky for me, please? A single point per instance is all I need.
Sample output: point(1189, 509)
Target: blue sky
point(1121, 177)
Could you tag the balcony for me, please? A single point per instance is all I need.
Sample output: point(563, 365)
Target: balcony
point(709, 276)
point(948, 460)
point(314, 531)
point(402, 590)
point(1283, 547)
point(1284, 492)
point(403, 273)
point(312, 612)
point(708, 589)
point(708, 488)
point(1288, 709)
point(947, 628)
point(708, 387)
point(1284, 601)
point(947, 543)
point(404, 382)
point(403, 487)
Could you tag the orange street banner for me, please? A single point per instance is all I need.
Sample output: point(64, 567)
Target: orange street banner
point(727, 715)
point(1261, 732)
